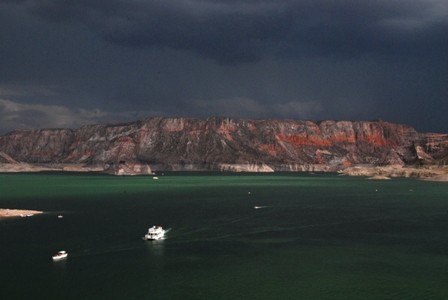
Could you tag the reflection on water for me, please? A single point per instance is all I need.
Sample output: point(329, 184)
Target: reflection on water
point(155, 248)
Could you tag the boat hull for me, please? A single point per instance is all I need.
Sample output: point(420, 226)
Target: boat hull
point(59, 256)
point(154, 238)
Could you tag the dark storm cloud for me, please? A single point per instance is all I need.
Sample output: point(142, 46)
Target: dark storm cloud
point(244, 31)
point(67, 63)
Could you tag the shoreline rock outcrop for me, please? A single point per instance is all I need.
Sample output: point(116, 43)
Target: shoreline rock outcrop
point(10, 213)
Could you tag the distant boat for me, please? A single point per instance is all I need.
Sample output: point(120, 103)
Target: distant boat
point(155, 233)
point(60, 255)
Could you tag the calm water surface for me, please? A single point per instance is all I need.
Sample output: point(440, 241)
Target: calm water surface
point(312, 237)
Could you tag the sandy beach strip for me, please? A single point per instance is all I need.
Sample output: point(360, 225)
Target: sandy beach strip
point(7, 213)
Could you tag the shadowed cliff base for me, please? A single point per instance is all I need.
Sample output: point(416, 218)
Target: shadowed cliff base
point(225, 144)
point(432, 173)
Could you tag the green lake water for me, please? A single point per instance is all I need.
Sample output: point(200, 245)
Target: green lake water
point(313, 236)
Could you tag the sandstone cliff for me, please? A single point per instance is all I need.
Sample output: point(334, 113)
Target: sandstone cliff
point(162, 144)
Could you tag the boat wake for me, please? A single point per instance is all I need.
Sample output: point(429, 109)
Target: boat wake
point(260, 207)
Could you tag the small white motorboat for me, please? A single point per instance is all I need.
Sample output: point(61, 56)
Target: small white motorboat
point(155, 233)
point(60, 255)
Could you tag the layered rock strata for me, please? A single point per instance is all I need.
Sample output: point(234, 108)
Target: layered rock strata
point(223, 144)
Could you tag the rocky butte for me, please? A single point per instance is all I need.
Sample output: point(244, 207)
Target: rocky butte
point(370, 148)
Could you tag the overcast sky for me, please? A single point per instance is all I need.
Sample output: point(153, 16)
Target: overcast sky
point(66, 63)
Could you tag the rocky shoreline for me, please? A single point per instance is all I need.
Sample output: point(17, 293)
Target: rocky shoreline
point(431, 173)
point(10, 213)
point(31, 168)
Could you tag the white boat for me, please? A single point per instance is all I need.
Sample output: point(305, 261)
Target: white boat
point(60, 255)
point(155, 233)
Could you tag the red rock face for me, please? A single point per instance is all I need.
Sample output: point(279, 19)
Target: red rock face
point(208, 144)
